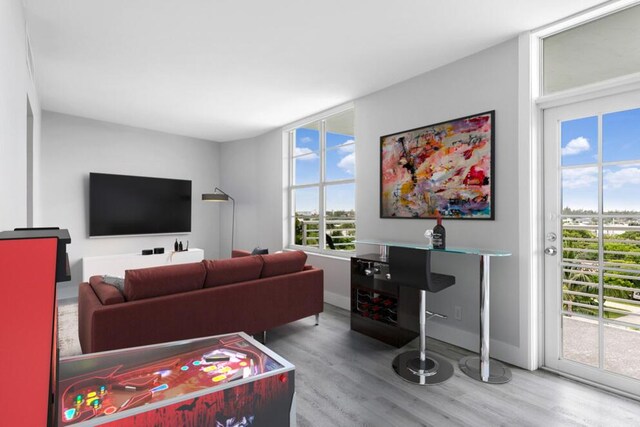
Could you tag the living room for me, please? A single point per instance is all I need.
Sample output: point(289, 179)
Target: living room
point(45, 181)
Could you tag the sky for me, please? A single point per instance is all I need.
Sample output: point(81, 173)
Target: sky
point(579, 147)
point(340, 164)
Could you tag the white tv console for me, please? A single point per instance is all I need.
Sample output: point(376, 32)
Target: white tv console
point(115, 265)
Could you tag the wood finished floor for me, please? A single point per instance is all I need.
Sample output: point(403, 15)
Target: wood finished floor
point(344, 378)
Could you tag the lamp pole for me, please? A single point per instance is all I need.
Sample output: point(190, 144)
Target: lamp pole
point(233, 216)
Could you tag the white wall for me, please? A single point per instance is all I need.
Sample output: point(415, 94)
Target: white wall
point(251, 171)
point(484, 81)
point(254, 172)
point(15, 86)
point(73, 147)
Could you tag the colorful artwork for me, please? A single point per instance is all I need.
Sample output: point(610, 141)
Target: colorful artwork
point(444, 169)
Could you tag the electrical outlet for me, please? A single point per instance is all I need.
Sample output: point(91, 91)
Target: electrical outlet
point(457, 312)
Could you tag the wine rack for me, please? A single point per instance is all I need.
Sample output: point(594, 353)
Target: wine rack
point(379, 308)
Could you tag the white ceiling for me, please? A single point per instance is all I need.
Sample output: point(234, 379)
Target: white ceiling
point(230, 69)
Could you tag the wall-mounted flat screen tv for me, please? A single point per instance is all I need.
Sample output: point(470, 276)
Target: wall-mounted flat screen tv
point(132, 205)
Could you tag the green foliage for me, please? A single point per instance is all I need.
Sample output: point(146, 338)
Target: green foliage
point(629, 235)
point(298, 231)
point(588, 273)
point(342, 233)
point(583, 234)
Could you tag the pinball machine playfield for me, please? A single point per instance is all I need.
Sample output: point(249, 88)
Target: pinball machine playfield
point(227, 380)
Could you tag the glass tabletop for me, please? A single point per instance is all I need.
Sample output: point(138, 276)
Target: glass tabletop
point(468, 251)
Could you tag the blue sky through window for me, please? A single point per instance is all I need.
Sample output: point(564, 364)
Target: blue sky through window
point(579, 141)
point(307, 140)
point(621, 136)
point(340, 164)
point(340, 197)
point(620, 142)
point(306, 200)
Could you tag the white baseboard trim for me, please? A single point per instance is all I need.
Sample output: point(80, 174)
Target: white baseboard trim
point(499, 350)
point(337, 300)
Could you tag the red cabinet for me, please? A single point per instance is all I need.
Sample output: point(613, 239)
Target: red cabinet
point(28, 356)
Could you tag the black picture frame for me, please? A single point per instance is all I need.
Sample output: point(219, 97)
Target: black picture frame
point(444, 169)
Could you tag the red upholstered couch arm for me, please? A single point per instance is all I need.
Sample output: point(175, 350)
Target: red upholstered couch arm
point(88, 303)
point(237, 253)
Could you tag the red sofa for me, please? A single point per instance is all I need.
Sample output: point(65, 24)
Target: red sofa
point(245, 293)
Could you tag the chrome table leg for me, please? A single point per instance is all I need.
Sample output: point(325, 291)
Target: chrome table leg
point(482, 368)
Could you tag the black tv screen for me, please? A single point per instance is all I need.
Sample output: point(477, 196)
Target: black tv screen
point(125, 205)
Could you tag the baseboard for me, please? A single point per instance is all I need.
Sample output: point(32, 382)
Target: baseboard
point(337, 300)
point(499, 350)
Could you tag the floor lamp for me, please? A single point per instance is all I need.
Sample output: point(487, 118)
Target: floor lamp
point(220, 196)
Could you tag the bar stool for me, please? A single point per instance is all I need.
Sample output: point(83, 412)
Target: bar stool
point(412, 268)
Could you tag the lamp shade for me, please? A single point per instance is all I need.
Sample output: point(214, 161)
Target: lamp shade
point(215, 197)
point(220, 196)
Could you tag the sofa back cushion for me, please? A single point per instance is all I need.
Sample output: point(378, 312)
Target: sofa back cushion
point(166, 280)
point(107, 293)
point(283, 263)
point(232, 270)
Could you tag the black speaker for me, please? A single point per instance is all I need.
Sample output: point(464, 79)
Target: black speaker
point(147, 251)
point(158, 250)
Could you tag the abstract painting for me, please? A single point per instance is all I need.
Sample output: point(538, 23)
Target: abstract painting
point(444, 169)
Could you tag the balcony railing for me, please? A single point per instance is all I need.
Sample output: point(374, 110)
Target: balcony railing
point(341, 230)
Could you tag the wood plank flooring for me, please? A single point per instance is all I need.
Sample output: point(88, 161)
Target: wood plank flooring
point(344, 378)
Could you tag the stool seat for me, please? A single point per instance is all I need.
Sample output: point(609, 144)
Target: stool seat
point(411, 267)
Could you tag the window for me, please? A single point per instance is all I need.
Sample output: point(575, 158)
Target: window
point(322, 184)
point(598, 50)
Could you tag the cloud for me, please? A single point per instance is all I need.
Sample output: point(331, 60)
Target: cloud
point(579, 178)
point(344, 148)
point(576, 146)
point(297, 151)
point(306, 139)
point(622, 177)
point(348, 163)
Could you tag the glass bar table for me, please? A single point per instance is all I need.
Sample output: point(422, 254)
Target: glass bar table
point(480, 367)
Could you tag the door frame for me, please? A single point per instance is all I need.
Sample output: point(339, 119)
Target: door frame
point(531, 105)
point(593, 106)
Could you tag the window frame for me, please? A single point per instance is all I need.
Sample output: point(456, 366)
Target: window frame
point(321, 184)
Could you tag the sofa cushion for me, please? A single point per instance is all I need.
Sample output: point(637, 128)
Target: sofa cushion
point(283, 263)
point(232, 270)
point(107, 293)
point(118, 282)
point(166, 280)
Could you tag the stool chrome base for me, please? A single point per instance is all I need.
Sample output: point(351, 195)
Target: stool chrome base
point(437, 369)
point(498, 373)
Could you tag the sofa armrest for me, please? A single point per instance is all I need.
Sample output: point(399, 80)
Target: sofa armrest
point(88, 303)
point(237, 253)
